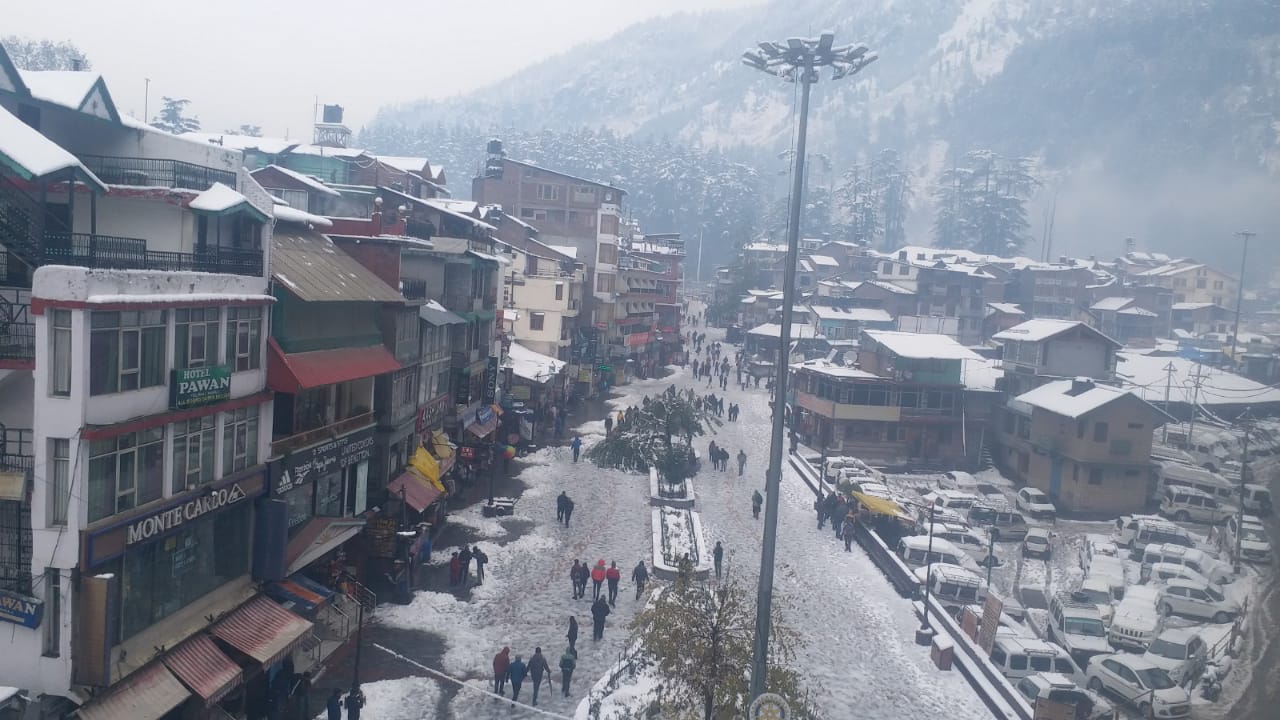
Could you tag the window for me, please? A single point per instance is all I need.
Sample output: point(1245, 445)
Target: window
point(559, 291)
point(1095, 476)
point(555, 216)
point(128, 350)
point(240, 439)
point(59, 479)
point(604, 283)
point(1136, 426)
point(536, 320)
point(1217, 285)
point(1201, 283)
point(548, 192)
point(608, 254)
point(60, 353)
point(1080, 425)
point(1100, 432)
point(193, 452)
point(51, 643)
point(195, 337)
point(125, 471)
point(403, 390)
point(533, 214)
point(1018, 662)
point(608, 224)
point(244, 338)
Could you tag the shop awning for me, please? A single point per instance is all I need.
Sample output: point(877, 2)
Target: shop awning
point(880, 505)
point(414, 489)
point(436, 314)
point(201, 666)
point(293, 372)
point(145, 695)
point(317, 538)
point(262, 630)
point(301, 592)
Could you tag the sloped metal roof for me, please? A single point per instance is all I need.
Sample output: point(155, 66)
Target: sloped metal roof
point(314, 269)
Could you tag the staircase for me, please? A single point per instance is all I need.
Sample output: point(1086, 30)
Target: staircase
point(20, 223)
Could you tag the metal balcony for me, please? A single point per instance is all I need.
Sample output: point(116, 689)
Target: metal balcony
point(16, 449)
point(17, 329)
point(148, 172)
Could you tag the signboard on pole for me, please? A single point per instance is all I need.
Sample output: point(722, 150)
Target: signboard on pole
point(991, 610)
point(491, 380)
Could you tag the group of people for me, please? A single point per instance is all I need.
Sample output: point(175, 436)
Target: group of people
point(720, 458)
point(564, 505)
point(460, 566)
point(843, 514)
point(506, 670)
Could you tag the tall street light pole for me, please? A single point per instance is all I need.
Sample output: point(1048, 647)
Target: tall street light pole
point(795, 60)
point(1244, 257)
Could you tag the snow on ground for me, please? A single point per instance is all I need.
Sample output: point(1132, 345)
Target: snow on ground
point(411, 698)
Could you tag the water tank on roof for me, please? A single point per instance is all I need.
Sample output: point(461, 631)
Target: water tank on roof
point(332, 113)
point(494, 147)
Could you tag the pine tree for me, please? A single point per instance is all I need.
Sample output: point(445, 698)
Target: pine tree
point(982, 204)
point(29, 54)
point(247, 130)
point(173, 118)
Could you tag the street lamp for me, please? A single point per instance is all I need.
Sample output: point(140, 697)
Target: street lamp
point(795, 60)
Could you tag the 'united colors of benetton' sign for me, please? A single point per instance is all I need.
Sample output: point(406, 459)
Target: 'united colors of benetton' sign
point(196, 387)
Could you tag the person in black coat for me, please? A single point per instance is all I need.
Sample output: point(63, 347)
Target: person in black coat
point(572, 635)
point(465, 558)
point(640, 576)
point(562, 501)
point(599, 611)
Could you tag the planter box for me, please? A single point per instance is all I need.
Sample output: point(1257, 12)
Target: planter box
point(659, 494)
point(675, 532)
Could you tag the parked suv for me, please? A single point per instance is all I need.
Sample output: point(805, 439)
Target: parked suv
point(1137, 531)
point(1076, 624)
point(1197, 560)
point(1036, 504)
point(1181, 652)
point(1059, 688)
point(1186, 503)
point(1252, 536)
point(1256, 499)
point(1018, 657)
point(1002, 521)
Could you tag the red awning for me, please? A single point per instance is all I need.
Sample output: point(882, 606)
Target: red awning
point(201, 666)
point(291, 372)
point(145, 695)
point(415, 490)
point(262, 630)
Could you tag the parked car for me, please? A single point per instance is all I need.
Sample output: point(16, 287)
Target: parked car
point(941, 515)
point(1141, 684)
point(1060, 689)
point(1036, 543)
point(1097, 590)
point(1162, 572)
point(918, 551)
point(1096, 544)
point(952, 585)
point(953, 499)
point(1002, 521)
point(1137, 531)
point(973, 543)
point(1208, 566)
point(1076, 624)
point(1179, 475)
point(1250, 534)
point(1017, 657)
point(1181, 652)
point(1256, 499)
point(1036, 504)
point(1135, 621)
point(1113, 570)
point(958, 480)
point(1189, 504)
point(1197, 600)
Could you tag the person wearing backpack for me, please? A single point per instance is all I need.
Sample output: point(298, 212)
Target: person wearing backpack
point(568, 661)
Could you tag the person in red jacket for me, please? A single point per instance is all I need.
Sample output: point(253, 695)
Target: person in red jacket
point(613, 575)
point(501, 662)
point(597, 579)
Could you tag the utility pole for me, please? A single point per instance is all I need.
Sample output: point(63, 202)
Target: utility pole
point(794, 60)
point(697, 278)
point(1196, 380)
point(1244, 257)
point(1168, 385)
point(1247, 422)
point(146, 101)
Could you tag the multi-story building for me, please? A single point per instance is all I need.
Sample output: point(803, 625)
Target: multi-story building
point(905, 401)
point(1193, 282)
point(836, 320)
point(1058, 291)
point(1124, 319)
point(135, 412)
point(1037, 351)
point(664, 255)
point(1202, 318)
point(1085, 444)
point(544, 289)
point(957, 291)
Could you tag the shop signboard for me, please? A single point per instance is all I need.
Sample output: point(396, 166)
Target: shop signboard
point(434, 412)
point(303, 466)
point(381, 533)
point(197, 387)
point(520, 392)
point(584, 375)
point(20, 609)
point(491, 380)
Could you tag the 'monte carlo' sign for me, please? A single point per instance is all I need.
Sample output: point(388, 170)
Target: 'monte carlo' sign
point(196, 387)
point(169, 519)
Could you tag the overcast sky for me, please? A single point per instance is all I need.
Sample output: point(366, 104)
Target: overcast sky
point(265, 62)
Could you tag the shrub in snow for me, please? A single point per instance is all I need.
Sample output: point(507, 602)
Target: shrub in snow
point(658, 434)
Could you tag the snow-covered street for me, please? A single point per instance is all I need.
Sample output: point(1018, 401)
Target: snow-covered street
point(855, 631)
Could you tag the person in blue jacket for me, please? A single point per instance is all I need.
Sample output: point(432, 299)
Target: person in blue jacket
point(515, 673)
point(577, 447)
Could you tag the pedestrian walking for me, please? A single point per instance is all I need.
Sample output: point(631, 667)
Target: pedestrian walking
point(501, 662)
point(568, 661)
point(717, 554)
point(599, 611)
point(847, 532)
point(756, 501)
point(573, 579)
point(742, 461)
point(613, 575)
point(561, 501)
point(577, 444)
point(455, 569)
point(538, 668)
point(354, 702)
point(478, 555)
point(597, 579)
point(572, 635)
point(465, 558)
point(333, 706)
point(301, 694)
point(516, 673)
point(640, 576)
point(568, 512)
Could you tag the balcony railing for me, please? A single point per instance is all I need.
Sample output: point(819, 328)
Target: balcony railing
point(17, 330)
point(16, 449)
point(148, 172)
point(311, 437)
point(413, 289)
point(121, 253)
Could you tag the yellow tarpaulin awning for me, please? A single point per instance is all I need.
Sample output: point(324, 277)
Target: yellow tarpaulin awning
point(423, 462)
point(880, 505)
point(440, 442)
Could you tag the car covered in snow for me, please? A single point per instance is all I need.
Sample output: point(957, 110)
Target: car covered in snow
point(1139, 684)
point(1210, 567)
point(1251, 536)
point(1037, 543)
point(1187, 504)
point(959, 480)
point(919, 551)
point(1256, 498)
point(1204, 601)
point(1097, 590)
point(952, 585)
point(1018, 656)
point(1137, 531)
point(1002, 521)
point(1097, 544)
point(1058, 688)
point(973, 543)
point(1162, 572)
point(1181, 652)
point(1076, 624)
point(1034, 503)
point(953, 499)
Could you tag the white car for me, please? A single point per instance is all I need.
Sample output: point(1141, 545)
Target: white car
point(1139, 683)
point(1097, 590)
point(1036, 504)
point(1162, 572)
point(1036, 543)
point(1251, 536)
point(1181, 652)
point(1197, 600)
point(1059, 688)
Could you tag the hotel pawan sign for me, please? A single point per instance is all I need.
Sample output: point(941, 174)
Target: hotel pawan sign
point(196, 387)
point(173, 517)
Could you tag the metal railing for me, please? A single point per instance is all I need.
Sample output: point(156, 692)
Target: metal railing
point(17, 330)
point(311, 437)
point(413, 289)
point(17, 451)
point(149, 172)
point(110, 252)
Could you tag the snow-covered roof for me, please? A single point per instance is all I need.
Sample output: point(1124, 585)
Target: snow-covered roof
point(325, 151)
point(67, 88)
point(1192, 305)
point(445, 206)
point(309, 181)
point(826, 367)
point(407, 164)
point(799, 331)
point(761, 246)
point(1147, 377)
point(218, 198)
point(804, 265)
point(922, 346)
point(1059, 398)
point(465, 207)
point(267, 145)
point(1112, 303)
point(981, 374)
point(824, 261)
point(1006, 308)
point(32, 155)
point(570, 250)
point(828, 312)
point(1042, 329)
point(1135, 310)
point(530, 365)
point(285, 213)
point(918, 254)
point(890, 286)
